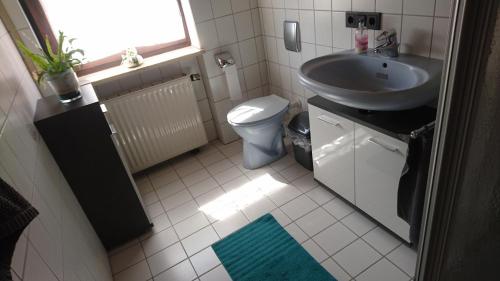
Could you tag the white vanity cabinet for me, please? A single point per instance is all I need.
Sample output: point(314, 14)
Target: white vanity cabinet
point(360, 164)
point(380, 160)
point(333, 151)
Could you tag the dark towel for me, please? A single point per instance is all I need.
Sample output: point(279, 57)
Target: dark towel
point(15, 214)
point(413, 183)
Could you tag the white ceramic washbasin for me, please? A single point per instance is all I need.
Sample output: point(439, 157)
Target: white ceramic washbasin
point(369, 81)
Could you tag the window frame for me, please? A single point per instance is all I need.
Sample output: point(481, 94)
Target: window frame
point(41, 26)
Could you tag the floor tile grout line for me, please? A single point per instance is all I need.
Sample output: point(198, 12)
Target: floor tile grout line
point(276, 207)
point(382, 256)
point(390, 260)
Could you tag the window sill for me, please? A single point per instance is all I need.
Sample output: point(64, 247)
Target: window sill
point(121, 70)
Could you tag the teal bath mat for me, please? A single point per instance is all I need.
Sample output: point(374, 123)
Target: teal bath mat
point(264, 251)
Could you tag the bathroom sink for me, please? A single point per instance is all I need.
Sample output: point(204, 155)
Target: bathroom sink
point(369, 81)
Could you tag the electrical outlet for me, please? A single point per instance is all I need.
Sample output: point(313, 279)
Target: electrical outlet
point(371, 20)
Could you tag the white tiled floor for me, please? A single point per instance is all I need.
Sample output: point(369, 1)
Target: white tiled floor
point(196, 200)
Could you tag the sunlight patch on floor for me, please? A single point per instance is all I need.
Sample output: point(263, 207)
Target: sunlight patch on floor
point(238, 199)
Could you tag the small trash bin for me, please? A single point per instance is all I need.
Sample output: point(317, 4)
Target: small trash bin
point(299, 132)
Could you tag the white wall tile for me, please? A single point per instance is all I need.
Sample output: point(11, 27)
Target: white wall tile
point(282, 52)
point(363, 5)
point(257, 27)
point(443, 8)
point(210, 130)
point(440, 36)
point(264, 73)
point(306, 4)
point(150, 75)
point(278, 4)
point(323, 5)
point(265, 3)
point(255, 93)
point(226, 30)
point(221, 108)
point(323, 26)
point(323, 50)
point(389, 6)
point(341, 5)
point(207, 33)
point(2, 29)
point(218, 87)
point(286, 82)
point(308, 52)
point(292, 4)
point(341, 34)
point(240, 5)
point(268, 22)
point(279, 19)
point(261, 53)
point(252, 76)
point(307, 26)
point(244, 25)
point(248, 52)
point(295, 59)
point(416, 35)
point(202, 10)
point(221, 7)
point(205, 112)
point(274, 74)
point(421, 7)
point(271, 49)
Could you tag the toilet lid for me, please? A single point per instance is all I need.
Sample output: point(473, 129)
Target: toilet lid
point(256, 110)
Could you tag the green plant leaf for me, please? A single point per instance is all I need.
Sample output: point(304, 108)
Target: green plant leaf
point(50, 52)
point(52, 62)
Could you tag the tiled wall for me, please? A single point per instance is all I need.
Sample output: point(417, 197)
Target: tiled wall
point(230, 26)
point(422, 27)
point(60, 243)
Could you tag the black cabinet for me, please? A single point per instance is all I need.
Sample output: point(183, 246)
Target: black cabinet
point(80, 139)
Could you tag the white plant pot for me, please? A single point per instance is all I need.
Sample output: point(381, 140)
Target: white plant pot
point(65, 85)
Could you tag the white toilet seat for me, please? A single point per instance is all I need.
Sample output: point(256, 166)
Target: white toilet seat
point(257, 110)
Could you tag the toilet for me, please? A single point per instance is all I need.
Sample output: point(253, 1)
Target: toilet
point(258, 123)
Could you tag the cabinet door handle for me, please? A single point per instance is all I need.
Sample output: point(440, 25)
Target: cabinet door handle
point(329, 120)
point(385, 146)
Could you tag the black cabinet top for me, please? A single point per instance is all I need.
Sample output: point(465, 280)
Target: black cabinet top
point(398, 124)
point(51, 106)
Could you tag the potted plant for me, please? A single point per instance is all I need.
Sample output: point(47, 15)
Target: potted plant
point(56, 67)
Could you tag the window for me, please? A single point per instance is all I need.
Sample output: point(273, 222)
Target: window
point(105, 28)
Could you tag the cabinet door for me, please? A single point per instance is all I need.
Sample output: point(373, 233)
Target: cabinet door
point(380, 160)
point(332, 139)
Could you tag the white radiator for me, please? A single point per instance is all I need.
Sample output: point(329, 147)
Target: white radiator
point(156, 123)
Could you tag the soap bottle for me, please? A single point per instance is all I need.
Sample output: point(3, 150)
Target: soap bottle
point(361, 38)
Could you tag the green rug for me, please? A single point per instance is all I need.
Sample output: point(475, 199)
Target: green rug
point(264, 251)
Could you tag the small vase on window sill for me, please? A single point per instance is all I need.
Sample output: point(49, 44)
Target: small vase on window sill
point(131, 59)
point(56, 67)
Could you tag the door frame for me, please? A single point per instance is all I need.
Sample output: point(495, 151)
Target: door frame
point(472, 24)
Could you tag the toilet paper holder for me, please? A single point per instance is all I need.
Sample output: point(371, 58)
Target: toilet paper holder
point(224, 59)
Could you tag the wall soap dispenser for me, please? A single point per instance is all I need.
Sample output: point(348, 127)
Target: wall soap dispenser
point(361, 38)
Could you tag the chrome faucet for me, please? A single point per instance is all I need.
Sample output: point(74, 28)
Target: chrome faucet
point(390, 47)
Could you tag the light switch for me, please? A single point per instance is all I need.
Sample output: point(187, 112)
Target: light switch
point(292, 36)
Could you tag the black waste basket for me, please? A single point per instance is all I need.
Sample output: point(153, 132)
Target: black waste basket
point(299, 132)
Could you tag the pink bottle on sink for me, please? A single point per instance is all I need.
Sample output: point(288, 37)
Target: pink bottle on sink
point(361, 38)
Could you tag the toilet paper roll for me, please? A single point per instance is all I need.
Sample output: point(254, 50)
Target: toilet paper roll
point(233, 82)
